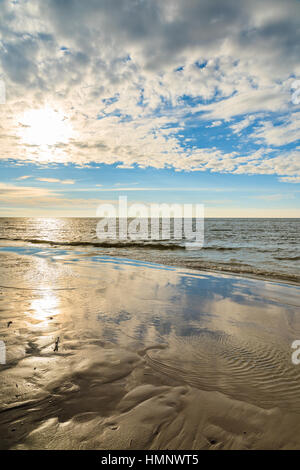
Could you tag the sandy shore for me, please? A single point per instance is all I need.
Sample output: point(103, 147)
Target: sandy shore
point(148, 357)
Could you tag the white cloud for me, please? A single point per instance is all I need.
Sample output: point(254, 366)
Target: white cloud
point(290, 179)
point(271, 98)
point(55, 180)
point(215, 124)
point(26, 196)
point(10, 193)
point(118, 71)
point(243, 124)
point(280, 134)
point(24, 177)
point(273, 197)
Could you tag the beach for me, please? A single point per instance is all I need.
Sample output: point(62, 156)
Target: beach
point(112, 353)
point(149, 230)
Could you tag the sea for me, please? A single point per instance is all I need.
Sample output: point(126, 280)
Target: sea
point(252, 247)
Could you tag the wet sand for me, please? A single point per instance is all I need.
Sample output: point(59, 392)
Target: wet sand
point(148, 357)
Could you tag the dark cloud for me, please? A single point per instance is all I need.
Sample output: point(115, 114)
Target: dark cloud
point(162, 31)
point(156, 35)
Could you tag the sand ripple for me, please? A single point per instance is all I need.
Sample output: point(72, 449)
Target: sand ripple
point(249, 370)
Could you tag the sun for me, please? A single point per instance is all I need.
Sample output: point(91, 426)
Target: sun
point(44, 127)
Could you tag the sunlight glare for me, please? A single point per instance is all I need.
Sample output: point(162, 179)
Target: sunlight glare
point(44, 126)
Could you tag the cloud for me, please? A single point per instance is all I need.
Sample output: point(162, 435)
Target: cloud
point(270, 98)
point(55, 180)
point(24, 177)
point(280, 134)
point(290, 179)
point(134, 78)
point(31, 196)
point(128, 188)
point(17, 195)
point(273, 197)
point(243, 124)
point(215, 124)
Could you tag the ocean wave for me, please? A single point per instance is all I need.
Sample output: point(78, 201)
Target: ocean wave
point(287, 258)
point(152, 244)
point(159, 245)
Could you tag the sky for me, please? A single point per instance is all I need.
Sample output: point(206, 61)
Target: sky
point(174, 101)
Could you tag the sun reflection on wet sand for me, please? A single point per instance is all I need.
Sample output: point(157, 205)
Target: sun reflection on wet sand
point(45, 307)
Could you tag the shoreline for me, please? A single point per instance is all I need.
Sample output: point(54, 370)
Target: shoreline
point(277, 278)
